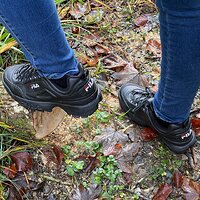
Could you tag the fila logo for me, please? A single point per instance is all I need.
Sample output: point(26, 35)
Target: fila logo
point(89, 85)
point(34, 86)
point(186, 135)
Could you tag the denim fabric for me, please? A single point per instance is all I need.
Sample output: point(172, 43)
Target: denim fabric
point(180, 65)
point(36, 27)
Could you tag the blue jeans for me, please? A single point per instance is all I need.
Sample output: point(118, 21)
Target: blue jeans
point(36, 27)
point(180, 65)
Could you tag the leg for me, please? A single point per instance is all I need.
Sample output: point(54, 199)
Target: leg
point(180, 67)
point(168, 111)
point(36, 27)
point(54, 78)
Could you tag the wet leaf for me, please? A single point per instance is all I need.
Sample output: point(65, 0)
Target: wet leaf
point(191, 189)
point(91, 162)
point(177, 179)
point(20, 186)
point(148, 134)
point(52, 154)
point(163, 192)
point(128, 177)
point(110, 136)
point(11, 171)
point(113, 150)
point(196, 126)
point(118, 144)
point(141, 20)
point(58, 153)
point(82, 193)
point(23, 161)
point(154, 47)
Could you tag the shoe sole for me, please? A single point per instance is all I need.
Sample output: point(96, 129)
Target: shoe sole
point(74, 110)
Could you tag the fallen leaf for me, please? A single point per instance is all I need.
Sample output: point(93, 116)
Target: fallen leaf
point(128, 178)
point(82, 58)
point(82, 193)
point(118, 144)
point(11, 171)
point(92, 61)
point(154, 47)
point(177, 179)
point(20, 185)
point(191, 189)
point(113, 150)
point(92, 163)
point(148, 134)
point(76, 30)
point(141, 20)
point(52, 155)
point(163, 192)
point(196, 126)
point(45, 123)
point(101, 49)
point(58, 153)
point(79, 10)
point(91, 40)
point(95, 16)
point(23, 161)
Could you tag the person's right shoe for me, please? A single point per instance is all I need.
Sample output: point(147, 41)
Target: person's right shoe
point(137, 103)
point(79, 98)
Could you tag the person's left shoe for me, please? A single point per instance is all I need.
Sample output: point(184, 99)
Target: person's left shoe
point(136, 102)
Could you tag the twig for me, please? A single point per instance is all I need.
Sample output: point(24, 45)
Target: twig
point(50, 178)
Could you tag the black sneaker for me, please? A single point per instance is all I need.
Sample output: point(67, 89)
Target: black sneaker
point(136, 101)
point(26, 86)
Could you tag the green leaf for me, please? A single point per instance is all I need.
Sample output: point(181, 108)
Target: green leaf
point(59, 1)
point(80, 165)
point(70, 170)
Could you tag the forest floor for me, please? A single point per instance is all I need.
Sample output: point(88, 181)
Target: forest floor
point(104, 156)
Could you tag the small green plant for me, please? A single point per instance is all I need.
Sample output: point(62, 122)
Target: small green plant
point(74, 166)
point(168, 163)
point(102, 116)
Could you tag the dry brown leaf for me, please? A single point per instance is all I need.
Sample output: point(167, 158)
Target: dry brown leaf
point(177, 179)
point(148, 134)
point(196, 126)
point(154, 47)
point(191, 189)
point(11, 171)
point(163, 192)
point(23, 161)
point(141, 20)
point(45, 123)
point(82, 193)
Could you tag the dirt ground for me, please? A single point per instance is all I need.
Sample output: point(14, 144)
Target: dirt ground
point(131, 44)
